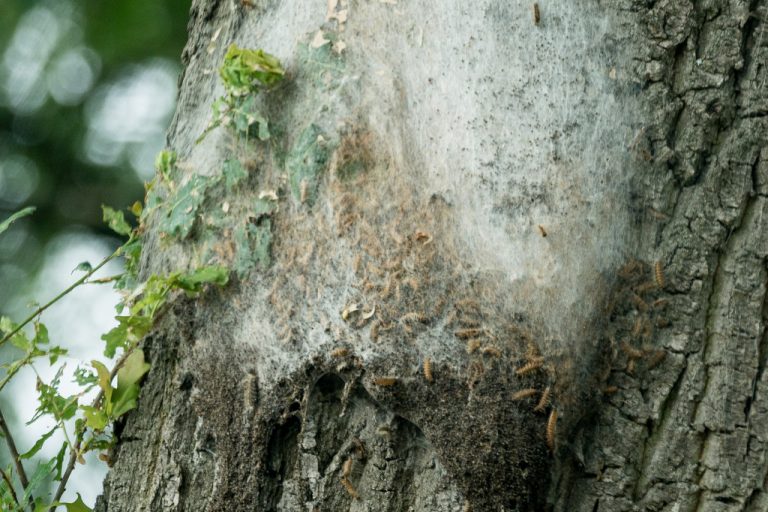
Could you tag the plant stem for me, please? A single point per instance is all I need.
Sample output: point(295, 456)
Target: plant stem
point(14, 454)
point(10, 486)
point(62, 294)
point(75, 451)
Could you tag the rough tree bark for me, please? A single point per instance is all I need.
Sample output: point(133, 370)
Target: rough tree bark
point(498, 193)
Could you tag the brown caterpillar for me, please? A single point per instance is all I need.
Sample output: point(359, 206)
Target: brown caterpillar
point(631, 351)
point(422, 236)
point(428, 369)
point(359, 449)
point(490, 351)
point(639, 303)
point(356, 263)
point(468, 304)
point(536, 10)
point(473, 345)
point(609, 390)
point(524, 393)
point(340, 352)
point(650, 285)
point(551, 426)
point(468, 322)
point(346, 468)
point(375, 330)
point(544, 400)
point(659, 273)
point(465, 334)
point(633, 268)
point(385, 382)
point(350, 488)
point(536, 20)
point(414, 316)
point(531, 366)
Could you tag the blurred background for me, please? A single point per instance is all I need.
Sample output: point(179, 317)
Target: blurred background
point(87, 89)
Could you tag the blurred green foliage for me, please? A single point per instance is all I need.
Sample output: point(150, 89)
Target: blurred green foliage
point(75, 78)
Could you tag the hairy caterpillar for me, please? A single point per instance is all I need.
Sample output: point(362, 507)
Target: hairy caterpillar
point(468, 333)
point(385, 381)
point(551, 426)
point(428, 369)
point(340, 352)
point(531, 366)
point(544, 400)
point(349, 487)
point(524, 393)
point(490, 351)
point(659, 272)
point(473, 345)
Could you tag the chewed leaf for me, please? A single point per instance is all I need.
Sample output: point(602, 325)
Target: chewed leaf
point(95, 418)
point(116, 221)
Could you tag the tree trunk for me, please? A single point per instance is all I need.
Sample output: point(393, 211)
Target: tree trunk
point(571, 205)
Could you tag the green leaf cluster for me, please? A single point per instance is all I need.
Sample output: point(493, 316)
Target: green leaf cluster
point(244, 73)
point(150, 298)
point(244, 70)
point(118, 389)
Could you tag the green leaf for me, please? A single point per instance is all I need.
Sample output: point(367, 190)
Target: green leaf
point(182, 210)
point(194, 281)
point(41, 334)
point(76, 506)
point(136, 209)
point(243, 70)
point(133, 369)
point(116, 221)
point(129, 330)
point(83, 266)
point(104, 383)
point(60, 461)
point(6, 324)
point(83, 377)
point(20, 341)
point(39, 444)
point(16, 216)
point(51, 402)
point(165, 162)
point(132, 255)
point(37, 478)
point(54, 353)
point(128, 378)
point(95, 418)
